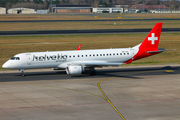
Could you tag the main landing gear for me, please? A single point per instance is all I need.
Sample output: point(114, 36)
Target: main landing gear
point(92, 72)
point(89, 70)
point(22, 72)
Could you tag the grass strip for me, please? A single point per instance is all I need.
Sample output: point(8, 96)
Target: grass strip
point(85, 25)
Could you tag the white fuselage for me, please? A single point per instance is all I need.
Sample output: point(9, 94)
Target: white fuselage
point(62, 59)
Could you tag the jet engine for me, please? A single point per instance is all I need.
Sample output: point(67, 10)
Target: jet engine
point(74, 70)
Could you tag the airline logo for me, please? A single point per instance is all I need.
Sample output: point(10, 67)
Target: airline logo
point(153, 38)
point(57, 58)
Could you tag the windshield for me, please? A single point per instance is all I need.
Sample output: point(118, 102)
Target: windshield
point(15, 58)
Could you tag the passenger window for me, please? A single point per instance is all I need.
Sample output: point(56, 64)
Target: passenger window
point(120, 53)
point(86, 55)
point(90, 55)
point(93, 55)
point(70, 56)
point(97, 54)
point(78, 55)
point(128, 53)
point(113, 53)
point(103, 54)
point(117, 54)
point(100, 54)
point(82, 55)
point(110, 54)
point(107, 54)
point(124, 53)
point(73, 55)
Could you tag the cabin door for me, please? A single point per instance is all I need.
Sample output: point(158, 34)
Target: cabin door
point(29, 59)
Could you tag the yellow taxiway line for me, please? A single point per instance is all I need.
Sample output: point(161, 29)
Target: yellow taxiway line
point(107, 99)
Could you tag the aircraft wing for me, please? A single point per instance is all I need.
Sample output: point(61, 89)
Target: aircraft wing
point(97, 64)
point(103, 64)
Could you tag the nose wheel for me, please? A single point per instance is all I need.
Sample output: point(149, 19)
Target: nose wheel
point(22, 72)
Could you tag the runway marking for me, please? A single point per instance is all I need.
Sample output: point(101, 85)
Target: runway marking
point(170, 71)
point(107, 99)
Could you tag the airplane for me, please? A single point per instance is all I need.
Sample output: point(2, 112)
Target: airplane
point(77, 62)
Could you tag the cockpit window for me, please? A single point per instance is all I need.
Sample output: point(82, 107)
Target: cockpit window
point(15, 58)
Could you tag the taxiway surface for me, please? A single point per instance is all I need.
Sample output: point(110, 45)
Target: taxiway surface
point(138, 93)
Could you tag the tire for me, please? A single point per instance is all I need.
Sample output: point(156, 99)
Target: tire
point(92, 73)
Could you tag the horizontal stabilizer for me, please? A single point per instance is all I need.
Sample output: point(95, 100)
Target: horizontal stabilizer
point(160, 50)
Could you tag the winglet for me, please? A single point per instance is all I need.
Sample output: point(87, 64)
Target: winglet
point(79, 47)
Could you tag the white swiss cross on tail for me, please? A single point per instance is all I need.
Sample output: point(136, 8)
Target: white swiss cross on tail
point(153, 38)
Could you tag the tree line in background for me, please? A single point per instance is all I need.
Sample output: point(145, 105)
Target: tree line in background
point(44, 4)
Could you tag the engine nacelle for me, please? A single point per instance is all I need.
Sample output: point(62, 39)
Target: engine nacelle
point(74, 70)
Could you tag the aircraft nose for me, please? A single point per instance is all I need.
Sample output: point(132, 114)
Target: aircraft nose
point(5, 65)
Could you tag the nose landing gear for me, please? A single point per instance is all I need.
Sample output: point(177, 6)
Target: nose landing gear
point(22, 72)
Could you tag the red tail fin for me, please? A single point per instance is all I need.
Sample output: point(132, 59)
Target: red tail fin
point(150, 43)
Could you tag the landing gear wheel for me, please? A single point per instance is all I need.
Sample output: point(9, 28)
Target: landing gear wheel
point(93, 72)
point(22, 72)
